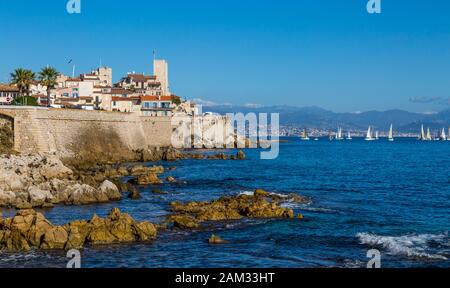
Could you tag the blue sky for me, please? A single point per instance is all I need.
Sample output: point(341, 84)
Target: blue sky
point(326, 53)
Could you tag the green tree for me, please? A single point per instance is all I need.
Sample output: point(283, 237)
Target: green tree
point(23, 78)
point(30, 101)
point(176, 100)
point(47, 77)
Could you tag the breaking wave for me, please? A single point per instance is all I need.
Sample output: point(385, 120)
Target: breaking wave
point(414, 246)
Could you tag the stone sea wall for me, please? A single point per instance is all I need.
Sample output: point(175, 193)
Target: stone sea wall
point(66, 131)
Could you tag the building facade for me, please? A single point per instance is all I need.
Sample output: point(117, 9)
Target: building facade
point(8, 93)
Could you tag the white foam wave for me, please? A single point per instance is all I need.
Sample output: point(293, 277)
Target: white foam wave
point(415, 246)
point(248, 193)
point(251, 193)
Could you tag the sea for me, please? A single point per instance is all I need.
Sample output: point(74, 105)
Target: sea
point(393, 197)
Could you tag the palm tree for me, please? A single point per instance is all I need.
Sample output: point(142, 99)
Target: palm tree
point(47, 77)
point(23, 78)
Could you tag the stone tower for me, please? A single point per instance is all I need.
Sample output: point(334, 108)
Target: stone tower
point(161, 71)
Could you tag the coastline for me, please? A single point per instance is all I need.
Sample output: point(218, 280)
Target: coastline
point(30, 182)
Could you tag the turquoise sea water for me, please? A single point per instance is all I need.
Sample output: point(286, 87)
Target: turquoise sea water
point(394, 197)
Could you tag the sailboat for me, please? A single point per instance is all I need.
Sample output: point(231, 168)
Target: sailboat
point(448, 138)
point(376, 135)
point(443, 136)
point(304, 136)
point(429, 135)
point(422, 134)
point(349, 136)
point(339, 134)
point(369, 136)
point(391, 133)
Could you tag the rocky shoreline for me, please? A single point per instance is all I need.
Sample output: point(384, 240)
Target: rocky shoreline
point(30, 229)
point(42, 181)
point(261, 204)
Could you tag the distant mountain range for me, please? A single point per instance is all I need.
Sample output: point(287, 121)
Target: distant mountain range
point(315, 117)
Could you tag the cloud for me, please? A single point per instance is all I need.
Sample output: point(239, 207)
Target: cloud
point(430, 100)
point(208, 103)
point(252, 105)
point(424, 100)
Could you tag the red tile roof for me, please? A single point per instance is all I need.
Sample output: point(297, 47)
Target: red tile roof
point(8, 88)
point(156, 98)
point(73, 80)
point(141, 77)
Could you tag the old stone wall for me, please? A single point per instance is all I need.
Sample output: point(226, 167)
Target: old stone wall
point(65, 130)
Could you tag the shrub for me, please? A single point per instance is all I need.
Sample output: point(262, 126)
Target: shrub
point(25, 100)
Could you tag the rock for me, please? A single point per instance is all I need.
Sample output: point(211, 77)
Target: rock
point(196, 156)
point(11, 181)
point(137, 170)
point(145, 231)
point(55, 238)
point(121, 226)
point(261, 193)
point(171, 179)
point(220, 156)
point(100, 233)
point(172, 154)
point(7, 198)
point(133, 193)
point(148, 179)
point(53, 168)
point(77, 234)
point(123, 171)
point(228, 208)
point(152, 154)
point(240, 155)
point(39, 197)
point(30, 229)
point(82, 194)
point(156, 169)
point(110, 190)
point(159, 191)
point(37, 230)
point(21, 204)
point(216, 240)
point(184, 221)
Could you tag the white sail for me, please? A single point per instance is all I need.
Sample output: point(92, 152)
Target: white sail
point(422, 134)
point(339, 134)
point(391, 133)
point(443, 136)
point(369, 136)
point(448, 134)
point(304, 136)
point(349, 136)
point(429, 134)
point(376, 135)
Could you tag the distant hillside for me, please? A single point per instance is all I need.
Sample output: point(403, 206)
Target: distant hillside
point(315, 117)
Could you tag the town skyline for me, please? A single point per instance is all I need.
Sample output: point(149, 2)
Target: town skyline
point(307, 53)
